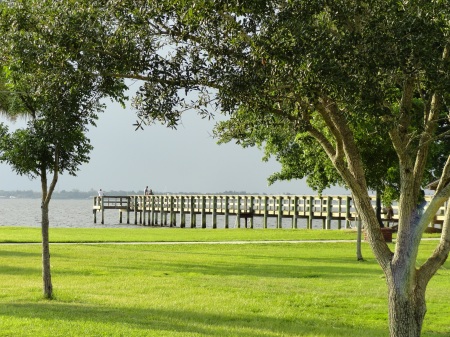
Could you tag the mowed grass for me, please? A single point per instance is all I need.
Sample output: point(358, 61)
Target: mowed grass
point(158, 234)
point(166, 234)
point(249, 290)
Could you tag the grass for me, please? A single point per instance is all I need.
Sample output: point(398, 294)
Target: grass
point(249, 290)
point(157, 234)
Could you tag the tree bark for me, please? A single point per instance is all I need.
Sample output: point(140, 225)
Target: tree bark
point(45, 224)
point(407, 309)
point(359, 256)
point(378, 209)
point(46, 273)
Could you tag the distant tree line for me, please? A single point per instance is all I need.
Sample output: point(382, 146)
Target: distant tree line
point(76, 194)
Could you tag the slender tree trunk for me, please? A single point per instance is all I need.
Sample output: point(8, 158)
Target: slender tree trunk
point(45, 224)
point(359, 256)
point(46, 274)
point(378, 202)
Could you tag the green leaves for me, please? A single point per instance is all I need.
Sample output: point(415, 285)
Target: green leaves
point(51, 71)
point(271, 65)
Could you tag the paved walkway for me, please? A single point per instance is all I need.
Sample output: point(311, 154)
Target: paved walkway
point(196, 242)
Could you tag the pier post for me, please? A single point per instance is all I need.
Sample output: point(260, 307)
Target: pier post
point(166, 211)
point(95, 210)
point(149, 208)
point(182, 213)
point(322, 203)
point(245, 211)
point(203, 212)
point(294, 216)
point(311, 212)
point(193, 216)
point(280, 212)
point(251, 210)
point(227, 212)
point(339, 211)
point(135, 203)
point(171, 213)
point(163, 220)
point(238, 213)
point(143, 199)
point(158, 210)
point(329, 212)
point(128, 210)
point(139, 208)
point(152, 212)
point(214, 212)
point(102, 206)
point(266, 211)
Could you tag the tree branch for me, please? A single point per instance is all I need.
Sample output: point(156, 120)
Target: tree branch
point(440, 254)
point(399, 134)
point(430, 125)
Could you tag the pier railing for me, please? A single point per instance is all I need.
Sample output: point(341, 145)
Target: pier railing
point(185, 210)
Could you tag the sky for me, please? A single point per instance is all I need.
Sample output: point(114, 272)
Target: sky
point(168, 161)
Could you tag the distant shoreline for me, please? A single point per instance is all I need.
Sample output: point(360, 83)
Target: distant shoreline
point(79, 195)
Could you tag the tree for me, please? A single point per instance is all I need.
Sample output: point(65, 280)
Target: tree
point(362, 81)
point(47, 74)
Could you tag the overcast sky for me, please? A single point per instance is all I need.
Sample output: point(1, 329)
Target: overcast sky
point(183, 160)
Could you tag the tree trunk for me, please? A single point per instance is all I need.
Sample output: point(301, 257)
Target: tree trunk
point(378, 209)
point(406, 311)
point(359, 256)
point(45, 224)
point(46, 275)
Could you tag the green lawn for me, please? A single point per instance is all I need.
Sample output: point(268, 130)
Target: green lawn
point(249, 290)
point(157, 234)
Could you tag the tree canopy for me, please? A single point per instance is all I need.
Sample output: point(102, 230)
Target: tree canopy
point(46, 73)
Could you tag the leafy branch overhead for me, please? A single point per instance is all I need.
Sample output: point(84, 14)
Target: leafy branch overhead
point(48, 75)
point(275, 63)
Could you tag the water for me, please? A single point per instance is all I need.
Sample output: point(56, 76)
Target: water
point(63, 213)
point(78, 214)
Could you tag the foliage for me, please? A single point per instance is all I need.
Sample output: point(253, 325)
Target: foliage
point(47, 74)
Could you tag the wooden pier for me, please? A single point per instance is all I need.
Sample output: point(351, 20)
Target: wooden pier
point(184, 210)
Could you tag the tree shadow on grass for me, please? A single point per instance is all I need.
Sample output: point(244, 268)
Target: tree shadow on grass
point(251, 264)
point(15, 253)
point(160, 322)
point(274, 271)
point(232, 269)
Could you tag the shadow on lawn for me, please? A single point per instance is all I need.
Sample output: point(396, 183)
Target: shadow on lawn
point(61, 316)
point(4, 253)
point(247, 264)
point(269, 270)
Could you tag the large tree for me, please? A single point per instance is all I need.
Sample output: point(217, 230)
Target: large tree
point(361, 80)
point(46, 74)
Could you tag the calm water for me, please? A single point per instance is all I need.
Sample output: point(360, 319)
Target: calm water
point(63, 213)
point(78, 213)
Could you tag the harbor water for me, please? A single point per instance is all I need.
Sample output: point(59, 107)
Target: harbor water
point(77, 213)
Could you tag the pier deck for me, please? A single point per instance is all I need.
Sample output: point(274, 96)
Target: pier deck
point(173, 210)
